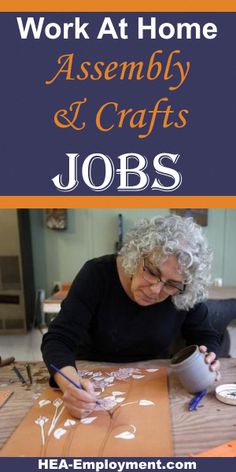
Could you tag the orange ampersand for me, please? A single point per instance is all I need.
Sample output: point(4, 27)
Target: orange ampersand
point(62, 120)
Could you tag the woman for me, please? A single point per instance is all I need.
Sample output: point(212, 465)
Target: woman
point(130, 307)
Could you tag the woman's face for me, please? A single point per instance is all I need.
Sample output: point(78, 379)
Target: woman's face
point(153, 284)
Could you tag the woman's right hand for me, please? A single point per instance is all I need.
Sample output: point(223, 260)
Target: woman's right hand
point(79, 402)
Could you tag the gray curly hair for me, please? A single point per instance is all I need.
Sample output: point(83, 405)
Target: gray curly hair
point(172, 235)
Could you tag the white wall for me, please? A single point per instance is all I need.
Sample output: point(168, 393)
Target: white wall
point(58, 255)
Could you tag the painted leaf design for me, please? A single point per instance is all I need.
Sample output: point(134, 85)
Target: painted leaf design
point(59, 432)
point(44, 402)
point(125, 435)
point(109, 379)
point(109, 398)
point(116, 393)
point(88, 420)
point(69, 422)
point(120, 399)
point(146, 403)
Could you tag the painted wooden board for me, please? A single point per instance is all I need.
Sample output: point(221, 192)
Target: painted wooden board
point(224, 450)
point(139, 426)
point(4, 395)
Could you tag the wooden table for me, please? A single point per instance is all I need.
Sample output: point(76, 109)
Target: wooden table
point(213, 423)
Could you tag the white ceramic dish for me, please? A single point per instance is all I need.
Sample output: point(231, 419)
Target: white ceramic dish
point(226, 393)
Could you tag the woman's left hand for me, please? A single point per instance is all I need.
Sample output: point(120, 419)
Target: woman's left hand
point(210, 358)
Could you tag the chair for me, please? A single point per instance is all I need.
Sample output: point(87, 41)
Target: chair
point(221, 313)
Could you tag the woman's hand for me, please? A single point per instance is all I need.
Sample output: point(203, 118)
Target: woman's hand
point(79, 403)
point(210, 358)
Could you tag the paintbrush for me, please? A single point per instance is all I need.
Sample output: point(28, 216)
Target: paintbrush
point(29, 373)
point(19, 375)
point(77, 386)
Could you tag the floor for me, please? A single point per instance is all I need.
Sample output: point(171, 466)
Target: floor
point(26, 347)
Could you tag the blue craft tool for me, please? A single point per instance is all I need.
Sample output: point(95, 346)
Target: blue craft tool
point(196, 400)
point(76, 385)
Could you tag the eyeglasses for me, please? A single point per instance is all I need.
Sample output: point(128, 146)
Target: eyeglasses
point(153, 278)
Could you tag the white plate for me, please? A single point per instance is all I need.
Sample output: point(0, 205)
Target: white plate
point(226, 393)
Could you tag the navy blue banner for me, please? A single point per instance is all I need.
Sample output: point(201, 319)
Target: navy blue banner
point(122, 464)
point(117, 104)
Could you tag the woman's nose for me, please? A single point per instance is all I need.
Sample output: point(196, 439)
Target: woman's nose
point(157, 287)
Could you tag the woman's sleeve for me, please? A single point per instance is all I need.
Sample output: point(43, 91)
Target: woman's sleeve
point(197, 329)
point(70, 330)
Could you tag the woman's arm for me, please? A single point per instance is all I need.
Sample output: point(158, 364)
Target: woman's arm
point(69, 333)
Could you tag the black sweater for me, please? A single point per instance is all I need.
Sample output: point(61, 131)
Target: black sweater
point(98, 321)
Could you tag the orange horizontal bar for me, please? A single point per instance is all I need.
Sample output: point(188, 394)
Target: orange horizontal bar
point(122, 5)
point(118, 202)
